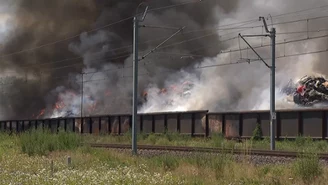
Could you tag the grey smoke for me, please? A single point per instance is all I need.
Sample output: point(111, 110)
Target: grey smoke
point(119, 82)
point(246, 86)
point(229, 87)
point(34, 23)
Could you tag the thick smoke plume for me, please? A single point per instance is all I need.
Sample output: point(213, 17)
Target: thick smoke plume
point(46, 82)
point(246, 86)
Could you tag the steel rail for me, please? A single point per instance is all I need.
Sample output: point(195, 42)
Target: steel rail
point(276, 153)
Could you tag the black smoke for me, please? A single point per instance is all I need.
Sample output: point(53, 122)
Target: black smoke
point(34, 74)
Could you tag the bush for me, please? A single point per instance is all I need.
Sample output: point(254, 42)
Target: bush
point(217, 139)
point(40, 142)
point(257, 133)
point(307, 167)
point(301, 141)
point(152, 138)
point(67, 140)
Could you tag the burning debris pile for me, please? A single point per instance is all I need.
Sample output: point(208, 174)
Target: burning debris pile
point(68, 104)
point(308, 91)
point(168, 97)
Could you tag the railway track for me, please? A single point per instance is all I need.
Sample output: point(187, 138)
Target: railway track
point(275, 153)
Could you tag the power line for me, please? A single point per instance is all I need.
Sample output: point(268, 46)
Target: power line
point(96, 29)
point(213, 33)
point(202, 67)
point(265, 45)
point(190, 55)
point(192, 39)
point(124, 47)
point(123, 56)
point(297, 32)
point(184, 41)
point(127, 18)
point(247, 61)
point(75, 58)
point(279, 43)
point(257, 26)
point(193, 31)
point(256, 20)
point(299, 11)
point(253, 60)
point(300, 54)
point(81, 57)
point(62, 40)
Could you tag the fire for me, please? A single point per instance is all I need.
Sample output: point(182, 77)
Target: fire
point(69, 104)
point(40, 114)
point(59, 105)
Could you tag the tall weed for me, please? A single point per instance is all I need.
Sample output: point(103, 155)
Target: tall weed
point(167, 162)
point(307, 167)
point(41, 142)
point(217, 139)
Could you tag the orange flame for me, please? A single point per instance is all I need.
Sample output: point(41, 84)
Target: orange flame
point(59, 105)
point(41, 113)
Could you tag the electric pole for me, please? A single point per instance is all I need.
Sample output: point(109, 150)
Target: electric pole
point(82, 95)
point(273, 91)
point(135, 78)
point(272, 35)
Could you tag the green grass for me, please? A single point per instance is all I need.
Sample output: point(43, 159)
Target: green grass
point(26, 159)
point(307, 167)
point(41, 141)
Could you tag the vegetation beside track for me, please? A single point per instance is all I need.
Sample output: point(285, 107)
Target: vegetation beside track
point(26, 159)
point(216, 140)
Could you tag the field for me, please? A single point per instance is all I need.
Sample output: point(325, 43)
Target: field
point(41, 158)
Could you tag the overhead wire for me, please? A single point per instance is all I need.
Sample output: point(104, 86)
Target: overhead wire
point(123, 56)
point(130, 17)
point(96, 29)
point(299, 11)
point(115, 49)
point(207, 35)
point(192, 31)
point(181, 42)
point(252, 60)
point(256, 20)
point(224, 64)
point(232, 63)
point(287, 22)
point(202, 67)
point(279, 43)
point(206, 66)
